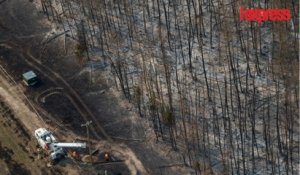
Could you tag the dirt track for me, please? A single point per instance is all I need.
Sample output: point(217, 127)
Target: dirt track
point(58, 80)
point(12, 95)
point(76, 101)
point(18, 148)
point(79, 105)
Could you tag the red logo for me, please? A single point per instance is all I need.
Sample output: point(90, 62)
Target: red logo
point(261, 15)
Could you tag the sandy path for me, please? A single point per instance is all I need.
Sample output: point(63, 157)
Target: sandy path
point(12, 96)
point(15, 98)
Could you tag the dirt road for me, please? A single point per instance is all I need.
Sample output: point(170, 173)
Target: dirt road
point(13, 93)
point(18, 152)
point(14, 96)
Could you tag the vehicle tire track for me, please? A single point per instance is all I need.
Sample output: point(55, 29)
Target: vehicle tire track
point(133, 163)
point(60, 81)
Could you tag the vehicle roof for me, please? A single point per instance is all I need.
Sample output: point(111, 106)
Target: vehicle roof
point(41, 131)
point(29, 75)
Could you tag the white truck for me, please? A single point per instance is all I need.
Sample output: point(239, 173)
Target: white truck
point(56, 149)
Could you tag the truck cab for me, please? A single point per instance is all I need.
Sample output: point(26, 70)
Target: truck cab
point(44, 137)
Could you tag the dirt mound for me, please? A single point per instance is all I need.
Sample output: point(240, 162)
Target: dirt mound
point(89, 159)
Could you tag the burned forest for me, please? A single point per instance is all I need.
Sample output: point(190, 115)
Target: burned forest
point(211, 93)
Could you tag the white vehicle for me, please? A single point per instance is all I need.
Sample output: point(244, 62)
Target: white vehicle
point(56, 149)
